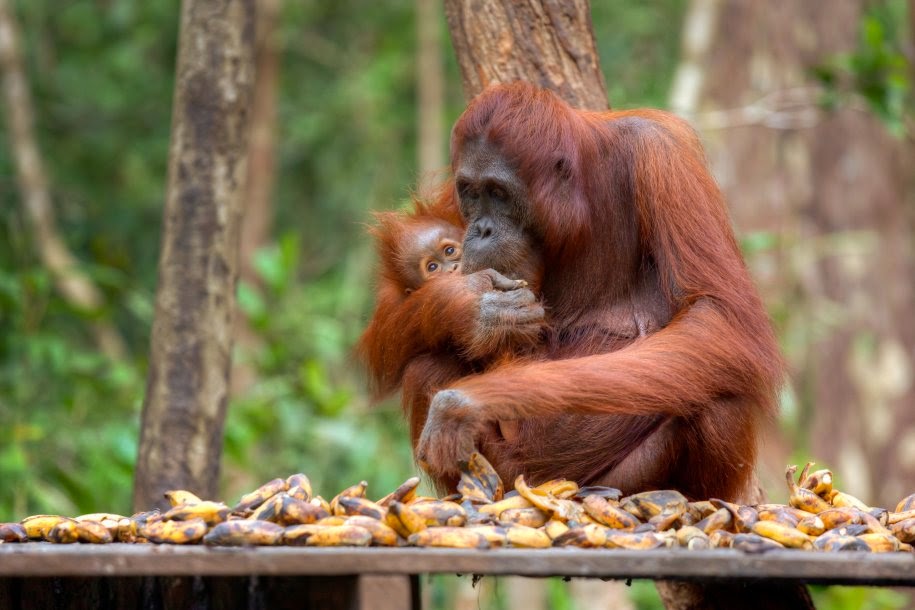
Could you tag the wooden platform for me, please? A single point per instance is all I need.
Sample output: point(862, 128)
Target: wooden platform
point(163, 576)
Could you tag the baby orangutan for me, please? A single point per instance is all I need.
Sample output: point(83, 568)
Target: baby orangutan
point(429, 250)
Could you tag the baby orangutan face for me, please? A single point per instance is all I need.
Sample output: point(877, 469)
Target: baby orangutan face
point(434, 250)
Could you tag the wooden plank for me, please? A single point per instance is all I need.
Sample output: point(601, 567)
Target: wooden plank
point(42, 559)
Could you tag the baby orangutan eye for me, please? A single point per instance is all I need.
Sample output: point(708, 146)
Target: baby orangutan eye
point(449, 251)
point(431, 267)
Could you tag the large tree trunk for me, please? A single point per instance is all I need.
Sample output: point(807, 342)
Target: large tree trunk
point(547, 42)
point(73, 285)
point(830, 186)
point(188, 385)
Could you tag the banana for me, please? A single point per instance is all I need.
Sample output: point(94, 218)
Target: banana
point(250, 501)
point(633, 541)
point(907, 503)
point(418, 516)
point(404, 493)
point(392, 520)
point(99, 517)
point(531, 517)
point(753, 543)
point(611, 494)
point(127, 530)
point(721, 539)
point(496, 535)
point(786, 515)
point(94, 532)
point(175, 532)
point(244, 532)
point(496, 508)
point(353, 491)
point(559, 507)
point(298, 486)
point(560, 488)
point(904, 530)
point(839, 517)
point(524, 537)
point(449, 537)
point(331, 520)
point(293, 511)
point(555, 528)
point(37, 527)
point(802, 498)
point(819, 482)
point(322, 503)
point(12, 532)
point(177, 497)
point(340, 535)
point(840, 499)
point(588, 536)
point(880, 543)
point(64, 532)
point(843, 543)
point(297, 535)
point(211, 512)
point(783, 534)
point(650, 504)
point(693, 538)
point(700, 510)
point(479, 480)
point(743, 516)
point(893, 518)
point(270, 509)
point(605, 513)
point(721, 519)
point(382, 535)
point(360, 506)
point(812, 525)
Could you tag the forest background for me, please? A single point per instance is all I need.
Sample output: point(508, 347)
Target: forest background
point(807, 115)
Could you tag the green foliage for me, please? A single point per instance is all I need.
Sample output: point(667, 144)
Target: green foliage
point(878, 70)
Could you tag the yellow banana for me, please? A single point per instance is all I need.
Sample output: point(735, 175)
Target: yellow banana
point(94, 532)
point(37, 527)
point(524, 537)
point(801, 498)
point(479, 480)
point(608, 493)
point(785, 515)
point(360, 506)
point(12, 532)
point(250, 501)
point(340, 535)
point(649, 504)
point(64, 532)
point(418, 516)
point(901, 516)
point(127, 530)
point(297, 535)
point(496, 508)
point(177, 497)
point(382, 534)
point(496, 535)
point(531, 517)
point(812, 525)
point(560, 488)
point(693, 538)
point(298, 486)
point(904, 530)
point(838, 517)
point(331, 520)
point(840, 499)
point(392, 520)
point(321, 502)
point(880, 543)
point(587, 536)
point(721, 539)
point(907, 503)
point(819, 482)
point(99, 517)
point(175, 532)
point(783, 534)
point(270, 509)
point(209, 511)
point(353, 491)
point(605, 513)
point(449, 537)
point(561, 508)
point(555, 528)
point(244, 532)
point(633, 541)
point(293, 511)
point(700, 510)
point(404, 493)
point(743, 516)
point(754, 543)
point(721, 519)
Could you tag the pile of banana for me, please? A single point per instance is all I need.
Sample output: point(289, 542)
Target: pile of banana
point(482, 515)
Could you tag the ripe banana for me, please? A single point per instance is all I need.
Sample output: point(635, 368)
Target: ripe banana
point(293, 511)
point(524, 537)
point(753, 543)
point(743, 516)
point(496, 535)
point(340, 535)
point(360, 506)
point(94, 532)
point(382, 534)
point(880, 543)
point(298, 486)
point(244, 532)
point(819, 482)
point(211, 512)
point(608, 493)
point(297, 535)
point(420, 515)
point(479, 480)
point(812, 525)
point(633, 541)
point(783, 534)
point(37, 527)
point(649, 504)
point(177, 497)
point(555, 528)
point(840, 499)
point(270, 509)
point(802, 498)
point(12, 532)
point(404, 493)
point(693, 538)
point(64, 532)
point(907, 503)
point(904, 530)
point(449, 537)
point(250, 501)
point(496, 508)
point(175, 532)
point(559, 507)
point(605, 513)
point(560, 488)
point(531, 517)
point(721, 519)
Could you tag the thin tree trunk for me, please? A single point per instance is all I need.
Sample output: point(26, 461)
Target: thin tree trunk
point(430, 88)
point(258, 203)
point(188, 385)
point(74, 286)
point(699, 28)
point(547, 42)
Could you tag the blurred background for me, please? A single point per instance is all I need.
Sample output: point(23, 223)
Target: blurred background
point(806, 110)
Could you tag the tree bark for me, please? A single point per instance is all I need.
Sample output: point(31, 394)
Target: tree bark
point(187, 388)
point(547, 42)
point(74, 286)
point(831, 189)
point(430, 88)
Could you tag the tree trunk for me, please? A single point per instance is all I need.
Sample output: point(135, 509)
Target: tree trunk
point(547, 42)
point(187, 388)
point(830, 187)
point(73, 285)
point(430, 88)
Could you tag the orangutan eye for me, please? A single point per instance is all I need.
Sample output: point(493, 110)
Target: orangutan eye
point(449, 250)
point(431, 267)
point(497, 192)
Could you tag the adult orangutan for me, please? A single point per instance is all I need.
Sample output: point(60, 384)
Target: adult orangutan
point(655, 361)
